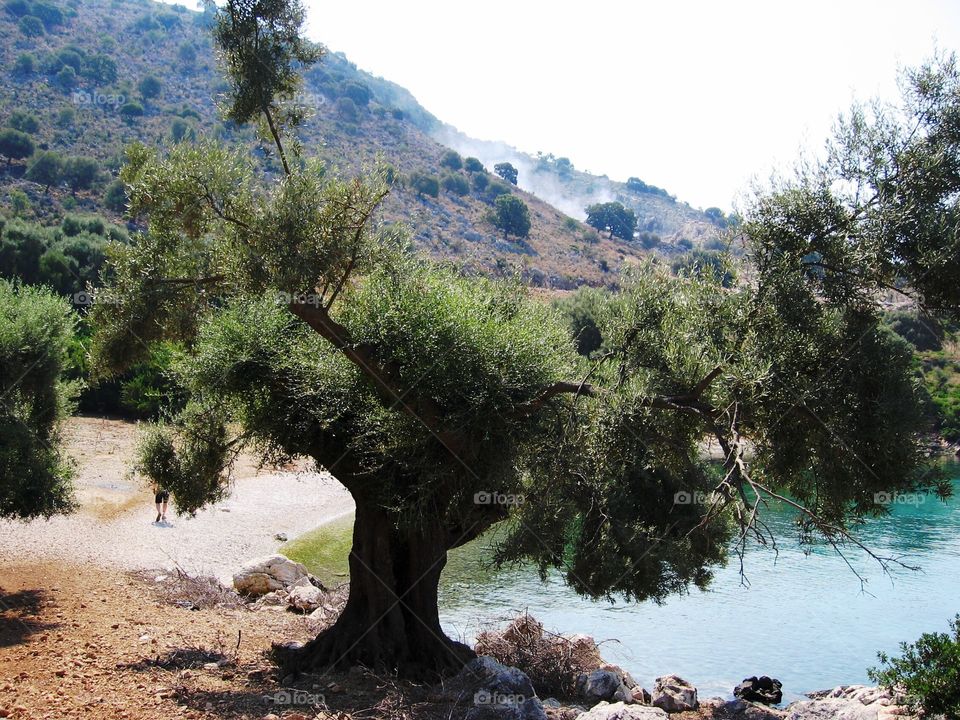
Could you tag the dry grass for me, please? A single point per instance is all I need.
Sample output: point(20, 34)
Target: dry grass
point(192, 592)
point(553, 662)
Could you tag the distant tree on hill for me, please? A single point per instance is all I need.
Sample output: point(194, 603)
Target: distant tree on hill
point(24, 121)
point(35, 477)
point(479, 182)
point(31, 26)
point(716, 216)
point(100, 69)
point(187, 55)
point(65, 117)
point(451, 159)
point(456, 184)
point(507, 171)
point(25, 64)
point(16, 8)
point(66, 79)
point(620, 221)
point(45, 169)
point(115, 197)
point(358, 92)
point(563, 166)
point(181, 130)
point(472, 165)
point(512, 216)
point(347, 110)
point(703, 263)
point(15, 145)
point(50, 15)
point(80, 173)
point(424, 184)
point(130, 110)
point(150, 87)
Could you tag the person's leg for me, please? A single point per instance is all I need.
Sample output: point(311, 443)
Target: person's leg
point(159, 513)
point(163, 515)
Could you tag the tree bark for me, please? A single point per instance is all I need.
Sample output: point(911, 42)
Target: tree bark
point(391, 620)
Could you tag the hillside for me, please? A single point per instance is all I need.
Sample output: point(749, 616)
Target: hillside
point(88, 77)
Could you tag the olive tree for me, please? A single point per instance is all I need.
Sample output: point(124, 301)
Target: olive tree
point(440, 401)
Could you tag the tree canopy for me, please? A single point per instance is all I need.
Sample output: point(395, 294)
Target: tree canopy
point(512, 216)
point(507, 171)
point(620, 221)
point(436, 398)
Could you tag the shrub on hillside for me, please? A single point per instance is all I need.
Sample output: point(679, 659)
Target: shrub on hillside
point(115, 197)
point(25, 64)
point(31, 26)
point(456, 184)
point(451, 159)
point(924, 333)
point(15, 145)
point(424, 184)
point(472, 165)
point(45, 169)
point(24, 121)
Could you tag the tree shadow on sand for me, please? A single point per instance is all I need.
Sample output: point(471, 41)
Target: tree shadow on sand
point(19, 619)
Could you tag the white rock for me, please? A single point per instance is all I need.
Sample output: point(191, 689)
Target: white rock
point(305, 597)
point(266, 574)
point(622, 711)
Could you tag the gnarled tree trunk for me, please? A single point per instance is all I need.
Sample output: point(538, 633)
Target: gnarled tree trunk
point(391, 619)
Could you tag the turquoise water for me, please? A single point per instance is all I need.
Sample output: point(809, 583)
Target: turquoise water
point(803, 618)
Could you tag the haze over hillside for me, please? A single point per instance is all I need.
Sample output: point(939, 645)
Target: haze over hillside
point(98, 75)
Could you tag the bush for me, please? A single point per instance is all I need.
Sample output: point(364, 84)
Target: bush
point(65, 117)
point(552, 662)
point(472, 165)
point(347, 110)
point(15, 145)
point(358, 93)
point(927, 673)
point(80, 173)
point(131, 110)
point(31, 26)
point(480, 182)
point(46, 169)
point(24, 121)
point(924, 333)
point(50, 15)
point(451, 159)
point(424, 184)
point(101, 69)
point(66, 79)
point(25, 64)
point(187, 54)
point(456, 184)
point(150, 87)
point(581, 311)
point(115, 198)
point(17, 8)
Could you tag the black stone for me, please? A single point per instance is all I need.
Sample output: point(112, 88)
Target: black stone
point(762, 690)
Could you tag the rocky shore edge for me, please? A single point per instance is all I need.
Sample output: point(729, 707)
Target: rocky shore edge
point(586, 687)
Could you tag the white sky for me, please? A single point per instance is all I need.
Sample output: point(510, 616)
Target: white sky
point(696, 97)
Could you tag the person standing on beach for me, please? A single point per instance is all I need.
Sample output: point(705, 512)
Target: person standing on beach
point(161, 499)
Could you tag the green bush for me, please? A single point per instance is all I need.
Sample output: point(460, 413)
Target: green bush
point(451, 159)
point(25, 64)
point(50, 15)
point(927, 673)
point(150, 87)
point(66, 79)
point(924, 333)
point(24, 121)
point(45, 169)
point(80, 173)
point(131, 110)
point(115, 198)
point(424, 184)
point(31, 26)
point(16, 8)
point(456, 184)
point(473, 165)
